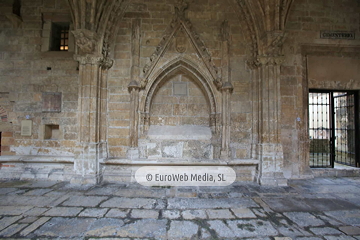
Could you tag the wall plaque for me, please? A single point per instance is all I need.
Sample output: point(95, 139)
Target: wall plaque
point(26, 127)
point(51, 102)
point(337, 35)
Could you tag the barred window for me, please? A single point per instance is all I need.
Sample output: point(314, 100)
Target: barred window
point(60, 37)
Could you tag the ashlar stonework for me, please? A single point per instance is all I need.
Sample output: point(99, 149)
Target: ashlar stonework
point(169, 83)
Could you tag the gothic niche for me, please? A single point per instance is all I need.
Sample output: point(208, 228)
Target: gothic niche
point(178, 120)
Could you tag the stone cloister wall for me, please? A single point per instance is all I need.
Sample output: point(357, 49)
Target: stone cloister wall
point(305, 52)
point(265, 63)
point(26, 73)
point(180, 101)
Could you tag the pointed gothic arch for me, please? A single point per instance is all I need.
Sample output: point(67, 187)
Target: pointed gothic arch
point(171, 68)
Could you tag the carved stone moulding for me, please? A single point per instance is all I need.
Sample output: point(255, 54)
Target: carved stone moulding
point(177, 65)
point(86, 40)
point(93, 59)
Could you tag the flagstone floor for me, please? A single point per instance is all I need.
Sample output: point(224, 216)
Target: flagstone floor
point(312, 209)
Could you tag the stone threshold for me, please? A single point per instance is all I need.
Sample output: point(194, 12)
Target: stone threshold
point(333, 172)
point(180, 162)
point(37, 159)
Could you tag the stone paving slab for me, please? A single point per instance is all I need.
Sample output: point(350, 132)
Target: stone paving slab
point(349, 217)
point(65, 227)
point(84, 201)
point(14, 210)
point(307, 209)
point(63, 211)
point(93, 212)
point(118, 202)
point(196, 203)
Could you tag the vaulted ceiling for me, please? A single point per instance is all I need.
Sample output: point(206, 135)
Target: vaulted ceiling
point(263, 21)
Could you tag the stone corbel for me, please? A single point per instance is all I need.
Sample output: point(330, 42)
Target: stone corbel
point(270, 60)
point(86, 40)
point(106, 62)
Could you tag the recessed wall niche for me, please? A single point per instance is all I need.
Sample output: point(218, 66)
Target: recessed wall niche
point(179, 101)
point(52, 132)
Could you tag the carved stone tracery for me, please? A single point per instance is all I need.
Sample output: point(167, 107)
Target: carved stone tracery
point(181, 23)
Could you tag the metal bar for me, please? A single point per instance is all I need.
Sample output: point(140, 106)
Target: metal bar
point(332, 131)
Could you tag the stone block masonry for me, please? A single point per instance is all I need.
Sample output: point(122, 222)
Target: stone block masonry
point(33, 209)
point(132, 66)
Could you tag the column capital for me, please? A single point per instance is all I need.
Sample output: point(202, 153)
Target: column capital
point(86, 40)
point(134, 85)
point(107, 63)
point(270, 60)
point(227, 86)
point(253, 63)
point(89, 59)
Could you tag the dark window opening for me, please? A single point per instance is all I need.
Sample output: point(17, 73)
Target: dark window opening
point(17, 7)
point(59, 37)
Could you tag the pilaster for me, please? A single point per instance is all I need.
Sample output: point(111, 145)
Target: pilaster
point(270, 147)
point(134, 89)
point(226, 90)
point(93, 70)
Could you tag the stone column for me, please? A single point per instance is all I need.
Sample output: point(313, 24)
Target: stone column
point(255, 73)
point(226, 114)
point(226, 90)
point(105, 65)
point(133, 152)
point(270, 147)
point(86, 163)
point(134, 89)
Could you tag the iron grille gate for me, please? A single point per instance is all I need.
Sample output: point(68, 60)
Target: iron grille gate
point(333, 126)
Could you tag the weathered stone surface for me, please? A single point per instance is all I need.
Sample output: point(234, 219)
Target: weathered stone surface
point(13, 229)
point(321, 231)
point(135, 221)
point(182, 229)
point(35, 211)
point(14, 210)
point(38, 192)
point(147, 228)
point(129, 203)
point(350, 230)
point(349, 217)
point(117, 213)
point(304, 219)
point(93, 212)
point(34, 226)
point(194, 214)
point(219, 214)
point(342, 237)
point(63, 211)
point(4, 191)
point(151, 193)
point(195, 203)
point(171, 214)
point(90, 201)
point(104, 227)
point(252, 228)
point(7, 221)
point(140, 213)
point(221, 229)
point(243, 213)
point(65, 227)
